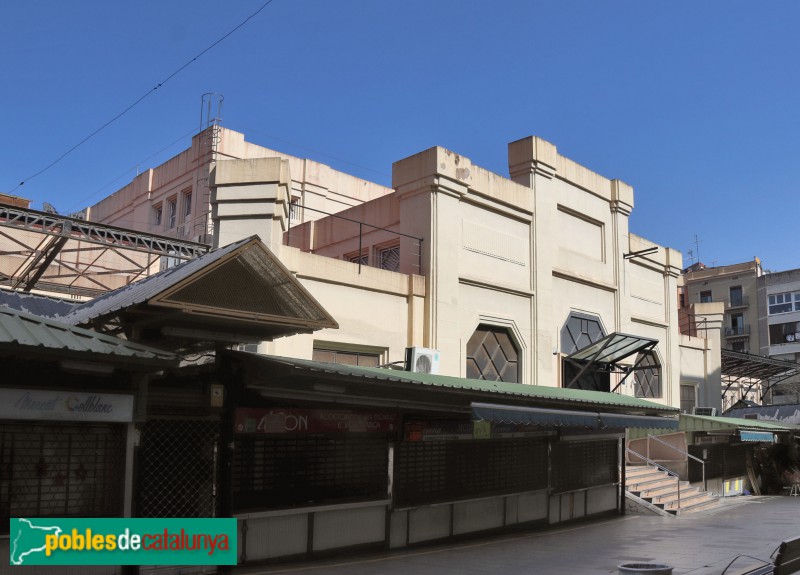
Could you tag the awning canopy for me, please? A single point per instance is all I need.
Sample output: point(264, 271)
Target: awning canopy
point(613, 348)
point(738, 366)
point(567, 418)
point(606, 353)
point(757, 436)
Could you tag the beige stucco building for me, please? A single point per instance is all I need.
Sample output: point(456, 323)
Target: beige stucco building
point(504, 276)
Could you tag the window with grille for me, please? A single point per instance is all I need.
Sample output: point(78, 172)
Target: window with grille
point(187, 204)
point(359, 358)
point(492, 355)
point(436, 471)
point(172, 212)
point(158, 212)
point(294, 209)
point(311, 469)
point(647, 377)
point(389, 259)
point(61, 470)
point(362, 259)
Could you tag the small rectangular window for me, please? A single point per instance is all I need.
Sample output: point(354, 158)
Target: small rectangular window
point(358, 358)
point(172, 212)
point(294, 210)
point(158, 213)
point(705, 297)
point(390, 259)
point(187, 204)
point(362, 259)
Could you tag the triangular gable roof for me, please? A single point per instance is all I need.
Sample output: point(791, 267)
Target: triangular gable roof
point(240, 292)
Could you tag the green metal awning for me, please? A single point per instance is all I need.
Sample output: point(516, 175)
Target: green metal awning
point(567, 418)
point(757, 436)
point(731, 424)
point(507, 391)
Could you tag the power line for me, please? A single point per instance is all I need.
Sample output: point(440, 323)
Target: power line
point(145, 95)
point(153, 155)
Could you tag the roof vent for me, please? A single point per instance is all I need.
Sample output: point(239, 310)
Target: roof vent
point(712, 411)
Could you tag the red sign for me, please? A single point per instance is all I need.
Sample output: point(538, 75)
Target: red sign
point(278, 420)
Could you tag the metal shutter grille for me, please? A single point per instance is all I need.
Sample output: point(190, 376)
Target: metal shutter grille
point(61, 470)
point(289, 471)
point(582, 464)
point(436, 471)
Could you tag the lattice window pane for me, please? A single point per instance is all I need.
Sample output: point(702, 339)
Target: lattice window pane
point(179, 468)
point(492, 355)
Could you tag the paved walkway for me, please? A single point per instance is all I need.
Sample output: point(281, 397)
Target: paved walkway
point(700, 544)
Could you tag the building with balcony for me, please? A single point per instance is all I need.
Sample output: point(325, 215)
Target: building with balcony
point(736, 287)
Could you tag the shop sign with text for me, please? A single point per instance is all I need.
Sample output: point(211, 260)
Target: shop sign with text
point(280, 420)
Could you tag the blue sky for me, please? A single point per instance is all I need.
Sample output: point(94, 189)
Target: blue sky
point(695, 104)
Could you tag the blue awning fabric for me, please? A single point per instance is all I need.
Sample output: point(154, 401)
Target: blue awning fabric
point(567, 418)
point(759, 436)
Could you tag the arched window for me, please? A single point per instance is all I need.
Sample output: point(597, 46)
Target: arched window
point(492, 355)
point(580, 331)
point(647, 377)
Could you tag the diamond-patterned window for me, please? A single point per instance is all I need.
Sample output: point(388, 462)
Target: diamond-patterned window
point(647, 378)
point(492, 355)
point(580, 331)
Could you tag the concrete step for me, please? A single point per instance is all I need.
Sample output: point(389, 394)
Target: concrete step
point(648, 483)
point(640, 470)
point(694, 505)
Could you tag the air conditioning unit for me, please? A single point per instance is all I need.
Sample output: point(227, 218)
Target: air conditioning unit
point(712, 411)
point(422, 360)
point(729, 331)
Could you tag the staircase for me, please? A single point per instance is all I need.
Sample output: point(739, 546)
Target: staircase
point(661, 489)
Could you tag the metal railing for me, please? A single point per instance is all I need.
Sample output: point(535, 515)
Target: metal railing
point(681, 451)
point(296, 209)
point(662, 468)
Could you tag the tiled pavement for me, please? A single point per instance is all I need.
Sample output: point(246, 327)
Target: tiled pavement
point(700, 544)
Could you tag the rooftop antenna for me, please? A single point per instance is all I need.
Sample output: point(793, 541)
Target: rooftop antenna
point(690, 253)
point(697, 247)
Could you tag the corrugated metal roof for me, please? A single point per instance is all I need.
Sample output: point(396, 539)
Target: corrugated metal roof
point(143, 290)
point(19, 330)
point(40, 305)
point(706, 423)
point(498, 387)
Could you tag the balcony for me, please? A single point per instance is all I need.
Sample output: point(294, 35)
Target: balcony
point(737, 302)
point(737, 331)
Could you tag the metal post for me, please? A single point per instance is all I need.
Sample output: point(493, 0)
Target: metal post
point(359, 247)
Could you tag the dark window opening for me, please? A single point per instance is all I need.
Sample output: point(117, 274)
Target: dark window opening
point(358, 358)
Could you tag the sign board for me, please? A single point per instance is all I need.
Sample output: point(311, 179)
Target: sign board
point(279, 420)
point(48, 405)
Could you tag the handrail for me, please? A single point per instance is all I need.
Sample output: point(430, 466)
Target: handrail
point(661, 467)
point(687, 454)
